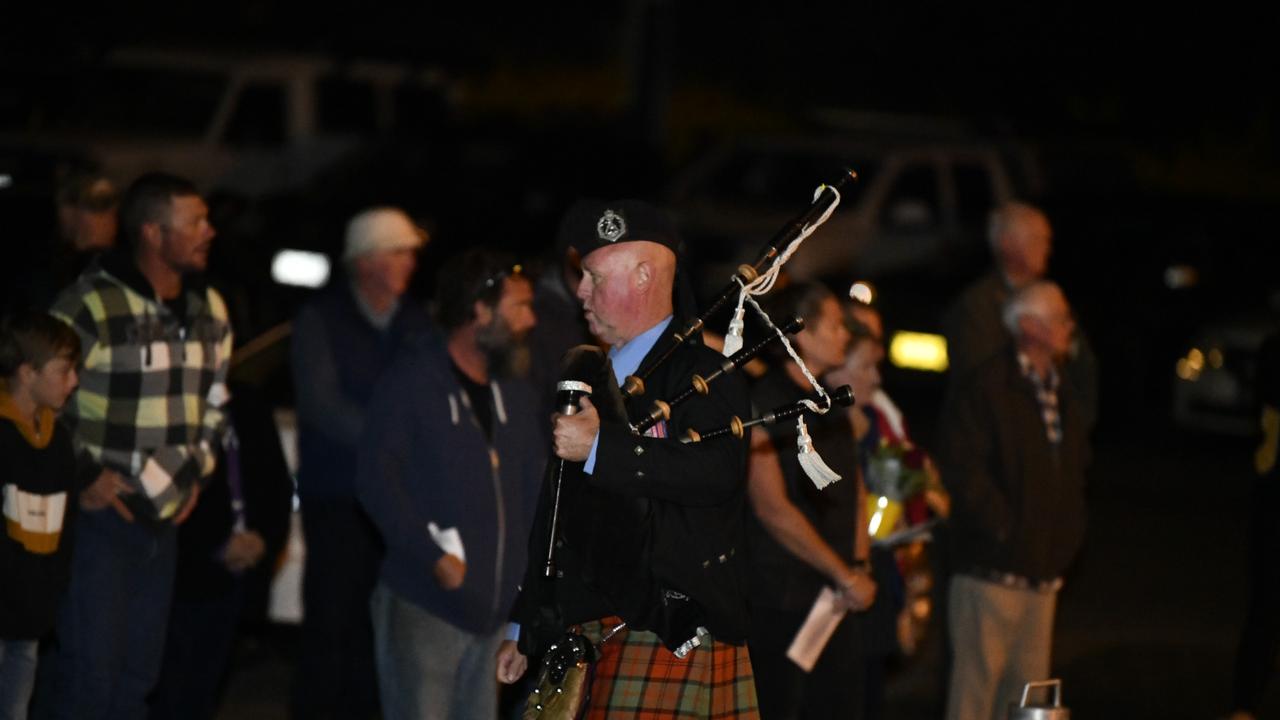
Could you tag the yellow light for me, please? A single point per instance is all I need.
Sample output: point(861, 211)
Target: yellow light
point(882, 502)
point(920, 608)
point(918, 351)
point(1195, 359)
point(1215, 358)
point(1186, 371)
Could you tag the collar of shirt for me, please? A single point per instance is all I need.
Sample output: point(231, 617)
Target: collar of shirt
point(626, 358)
point(381, 321)
point(626, 361)
point(1049, 384)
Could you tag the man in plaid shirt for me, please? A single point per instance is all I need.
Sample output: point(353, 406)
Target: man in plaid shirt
point(147, 415)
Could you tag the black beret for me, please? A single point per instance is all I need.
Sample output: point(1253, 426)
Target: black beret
point(593, 224)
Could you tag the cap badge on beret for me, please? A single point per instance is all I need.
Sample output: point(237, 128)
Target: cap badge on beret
point(611, 226)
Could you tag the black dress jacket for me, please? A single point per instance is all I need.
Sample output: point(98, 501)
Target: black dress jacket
point(655, 534)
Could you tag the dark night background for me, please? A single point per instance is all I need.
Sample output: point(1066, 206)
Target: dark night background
point(1154, 137)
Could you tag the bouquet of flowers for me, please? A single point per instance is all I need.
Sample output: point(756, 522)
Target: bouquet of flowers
point(903, 488)
point(896, 471)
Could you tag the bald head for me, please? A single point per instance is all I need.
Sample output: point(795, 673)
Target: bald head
point(1021, 240)
point(626, 289)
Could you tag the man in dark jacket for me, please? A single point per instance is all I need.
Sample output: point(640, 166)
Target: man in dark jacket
point(1021, 240)
point(342, 342)
point(448, 471)
point(650, 530)
point(1013, 454)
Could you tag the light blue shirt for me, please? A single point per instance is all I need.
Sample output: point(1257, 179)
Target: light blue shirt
point(626, 361)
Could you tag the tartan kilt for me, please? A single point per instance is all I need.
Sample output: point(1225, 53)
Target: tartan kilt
point(637, 677)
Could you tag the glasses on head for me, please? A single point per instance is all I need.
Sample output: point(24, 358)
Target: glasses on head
point(496, 279)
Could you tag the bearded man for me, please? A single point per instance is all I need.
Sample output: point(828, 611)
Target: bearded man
point(449, 471)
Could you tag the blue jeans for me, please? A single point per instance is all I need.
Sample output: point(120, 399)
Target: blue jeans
point(17, 677)
point(429, 669)
point(113, 622)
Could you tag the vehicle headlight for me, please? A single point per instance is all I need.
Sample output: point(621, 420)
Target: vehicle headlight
point(918, 351)
point(300, 268)
point(1189, 368)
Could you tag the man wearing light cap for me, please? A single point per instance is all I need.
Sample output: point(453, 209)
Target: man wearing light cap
point(648, 548)
point(342, 341)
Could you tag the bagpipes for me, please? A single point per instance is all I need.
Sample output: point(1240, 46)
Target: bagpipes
point(754, 279)
point(749, 282)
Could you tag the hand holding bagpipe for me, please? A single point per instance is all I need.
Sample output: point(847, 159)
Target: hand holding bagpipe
point(702, 385)
point(842, 396)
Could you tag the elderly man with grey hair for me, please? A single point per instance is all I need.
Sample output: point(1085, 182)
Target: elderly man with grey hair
point(342, 341)
point(1021, 241)
point(1013, 452)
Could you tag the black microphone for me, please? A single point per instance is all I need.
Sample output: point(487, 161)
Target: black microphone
point(580, 367)
point(569, 394)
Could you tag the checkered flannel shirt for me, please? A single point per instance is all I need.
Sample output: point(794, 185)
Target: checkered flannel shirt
point(1047, 396)
point(152, 388)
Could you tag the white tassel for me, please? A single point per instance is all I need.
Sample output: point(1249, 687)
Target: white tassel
point(733, 340)
point(810, 461)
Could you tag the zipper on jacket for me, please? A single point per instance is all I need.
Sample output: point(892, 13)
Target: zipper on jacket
point(495, 464)
point(495, 477)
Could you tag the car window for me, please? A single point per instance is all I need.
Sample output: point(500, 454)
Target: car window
point(418, 109)
point(346, 106)
point(912, 202)
point(975, 196)
point(259, 117)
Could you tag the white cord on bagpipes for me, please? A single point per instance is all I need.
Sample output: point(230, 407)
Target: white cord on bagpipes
point(817, 386)
point(810, 461)
point(764, 283)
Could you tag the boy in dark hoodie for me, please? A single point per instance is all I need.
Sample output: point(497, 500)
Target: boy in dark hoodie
point(38, 358)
